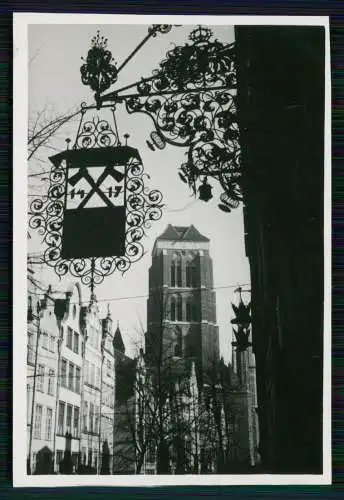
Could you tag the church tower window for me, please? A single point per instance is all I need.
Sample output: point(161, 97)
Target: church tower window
point(179, 308)
point(191, 309)
point(176, 271)
point(178, 344)
point(190, 275)
point(173, 309)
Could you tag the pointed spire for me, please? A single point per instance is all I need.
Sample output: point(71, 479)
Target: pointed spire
point(118, 343)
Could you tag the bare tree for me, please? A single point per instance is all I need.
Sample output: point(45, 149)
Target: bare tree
point(174, 427)
point(43, 128)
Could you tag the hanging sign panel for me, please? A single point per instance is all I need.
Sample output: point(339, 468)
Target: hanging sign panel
point(94, 222)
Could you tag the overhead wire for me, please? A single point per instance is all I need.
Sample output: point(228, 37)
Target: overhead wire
point(175, 291)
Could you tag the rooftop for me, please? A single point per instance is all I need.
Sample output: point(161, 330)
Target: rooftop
point(182, 233)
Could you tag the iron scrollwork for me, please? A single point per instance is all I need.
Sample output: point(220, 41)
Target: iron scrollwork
point(98, 70)
point(143, 206)
point(96, 132)
point(191, 100)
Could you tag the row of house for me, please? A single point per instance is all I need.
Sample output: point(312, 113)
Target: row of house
point(71, 363)
point(175, 409)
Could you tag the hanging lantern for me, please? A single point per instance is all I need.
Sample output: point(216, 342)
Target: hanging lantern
point(205, 190)
point(158, 140)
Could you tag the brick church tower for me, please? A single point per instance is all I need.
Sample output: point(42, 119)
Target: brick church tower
point(181, 308)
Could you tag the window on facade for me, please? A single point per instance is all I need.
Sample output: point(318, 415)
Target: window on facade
point(30, 347)
point(45, 340)
point(69, 338)
point(84, 416)
point(188, 309)
point(91, 417)
point(173, 274)
point(96, 420)
point(98, 377)
point(191, 312)
point(69, 419)
point(75, 458)
point(76, 343)
point(64, 372)
point(93, 374)
point(76, 421)
point(179, 308)
point(173, 309)
point(61, 416)
point(178, 346)
point(52, 343)
point(151, 452)
point(71, 377)
point(48, 424)
point(87, 371)
point(191, 275)
point(51, 380)
point(59, 457)
point(77, 379)
point(179, 273)
point(90, 457)
point(40, 378)
point(108, 368)
point(176, 272)
point(38, 422)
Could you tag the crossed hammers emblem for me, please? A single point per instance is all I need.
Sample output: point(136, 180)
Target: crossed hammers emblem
point(83, 174)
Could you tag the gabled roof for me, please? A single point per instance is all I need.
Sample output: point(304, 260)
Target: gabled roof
point(182, 233)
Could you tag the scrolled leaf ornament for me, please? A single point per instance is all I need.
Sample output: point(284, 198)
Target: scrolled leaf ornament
point(113, 175)
point(98, 70)
point(191, 100)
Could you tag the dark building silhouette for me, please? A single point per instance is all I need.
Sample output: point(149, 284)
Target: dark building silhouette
point(125, 417)
point(281, 119)
point(182, 305)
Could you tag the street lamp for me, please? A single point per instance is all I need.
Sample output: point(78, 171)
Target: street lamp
point(243, 321)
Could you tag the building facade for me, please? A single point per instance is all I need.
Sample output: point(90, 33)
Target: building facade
point(182, 349)
point(69, 388)
point(42, 376)
point(181, 304)
point(70, 382)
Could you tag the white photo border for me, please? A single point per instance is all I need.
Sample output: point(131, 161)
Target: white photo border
point(21, 21)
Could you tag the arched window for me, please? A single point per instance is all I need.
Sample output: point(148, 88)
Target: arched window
point(179, 273)
point(173, 274)
point(191, 275)
point(176, 271)
point(173, 309)
point(178, 344)
point(179, 308)
point(189, 309)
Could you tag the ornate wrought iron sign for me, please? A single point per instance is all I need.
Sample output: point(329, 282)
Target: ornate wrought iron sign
point(97, 207)
point(191, 100)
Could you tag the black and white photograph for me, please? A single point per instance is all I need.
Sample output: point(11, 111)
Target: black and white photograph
point(171, 250)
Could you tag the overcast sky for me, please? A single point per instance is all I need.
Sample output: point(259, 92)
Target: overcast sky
point(55, 53)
